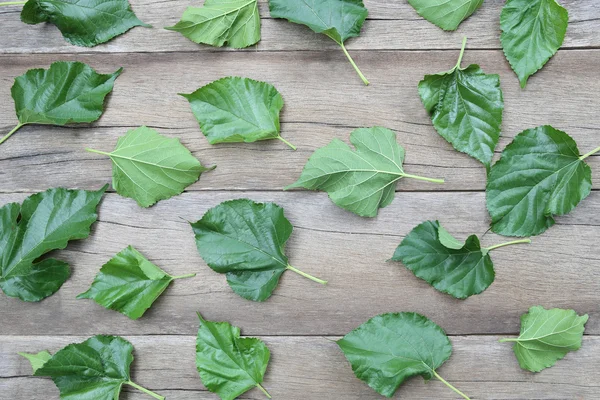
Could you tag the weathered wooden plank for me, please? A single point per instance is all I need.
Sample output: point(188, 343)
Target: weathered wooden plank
point(324, 99)
point(559, 269)
point(314, 368)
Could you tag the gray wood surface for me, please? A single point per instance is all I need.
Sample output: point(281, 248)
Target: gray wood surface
point(324, 100)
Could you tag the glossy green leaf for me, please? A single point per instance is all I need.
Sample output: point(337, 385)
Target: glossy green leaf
point(129, 284)
point(465, 106)
point(45, 221)
point(532, 32)
point(83, 22)
point(237, 109)
point(246, 240)
point(149, 167)
point(460, 269)
point(67, 92)
point(539, 175)
point(361, 180)
point(338, 19)
point(447, 14)
point(390, 348)
point(95, 369)
point(229, 365)
point(219, 22)
point(547, 336)
point(37, 360)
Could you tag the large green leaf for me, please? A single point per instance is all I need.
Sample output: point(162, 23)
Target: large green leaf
point(66, 92)
point(539, 175)
point(360, 181)
point(390, 348)
point(219, 22)
point(45, 221)
point(532, 32)
point(237, 109)
point(338, 19)
point(229, 365)
point(83, 22)
point(129, 284)
point(95, 369)
point(447, 14)
point(547, 336)
point(466, 108)
point(246, 241)
point(149, 167)
point(460, 269)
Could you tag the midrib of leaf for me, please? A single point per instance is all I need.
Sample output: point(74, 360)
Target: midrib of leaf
point(226, 12)
point(519, 339)
point(135, 160)
point(240, 118)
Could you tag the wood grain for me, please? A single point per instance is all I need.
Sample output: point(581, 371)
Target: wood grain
point(561, 268)
point(392, 25)
point(314, 368)
point(324, 99)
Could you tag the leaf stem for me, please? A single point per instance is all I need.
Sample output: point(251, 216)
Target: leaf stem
point(462, 52)
point(141, 389)
point(450, 386)
point(184, 276)
point(13, 3)
point(586, 155)
point(508, 340)
point(304, 274)
point(365, 81)
point(98, 152)
point(421, 178)
point(508, 244)
point(286, 142)
point(258, 385)
point(16, 128)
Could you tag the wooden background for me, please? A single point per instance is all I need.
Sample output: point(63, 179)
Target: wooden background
point(324, 99)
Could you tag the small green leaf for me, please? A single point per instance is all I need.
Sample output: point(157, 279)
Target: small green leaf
point(229, 365)
point(547, 336)
point(539, 175)
point(338, 19)
point(246, 241)
point(447, 14)
point(83, 22)
point(95, 369)
point(65, 93)
point(149, 167)
point(466, 108)
point(219, 22)
point(460, 269)
point(360, 181)
point(37, 360)
point(532, 32)
point(45, 221)
point(237, 109)
point(390, 348)
point(129, 284)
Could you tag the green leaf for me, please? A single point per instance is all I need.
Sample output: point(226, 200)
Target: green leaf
point(220, 22)
point(547, 336)
point(149, 167)
point(447, 14)
point(95, 369)
point(235, 109)
point(83, 22)
point(67, 92)
point(338, 19)
point(229, 365)
point(532, 32)
point(460, 269)
point(129, 284)
point(246, 240)
point(45, 221)
point(390, 348)
point(37, 360)
point(539, 175)
point(466, 108)
point(360, 181)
